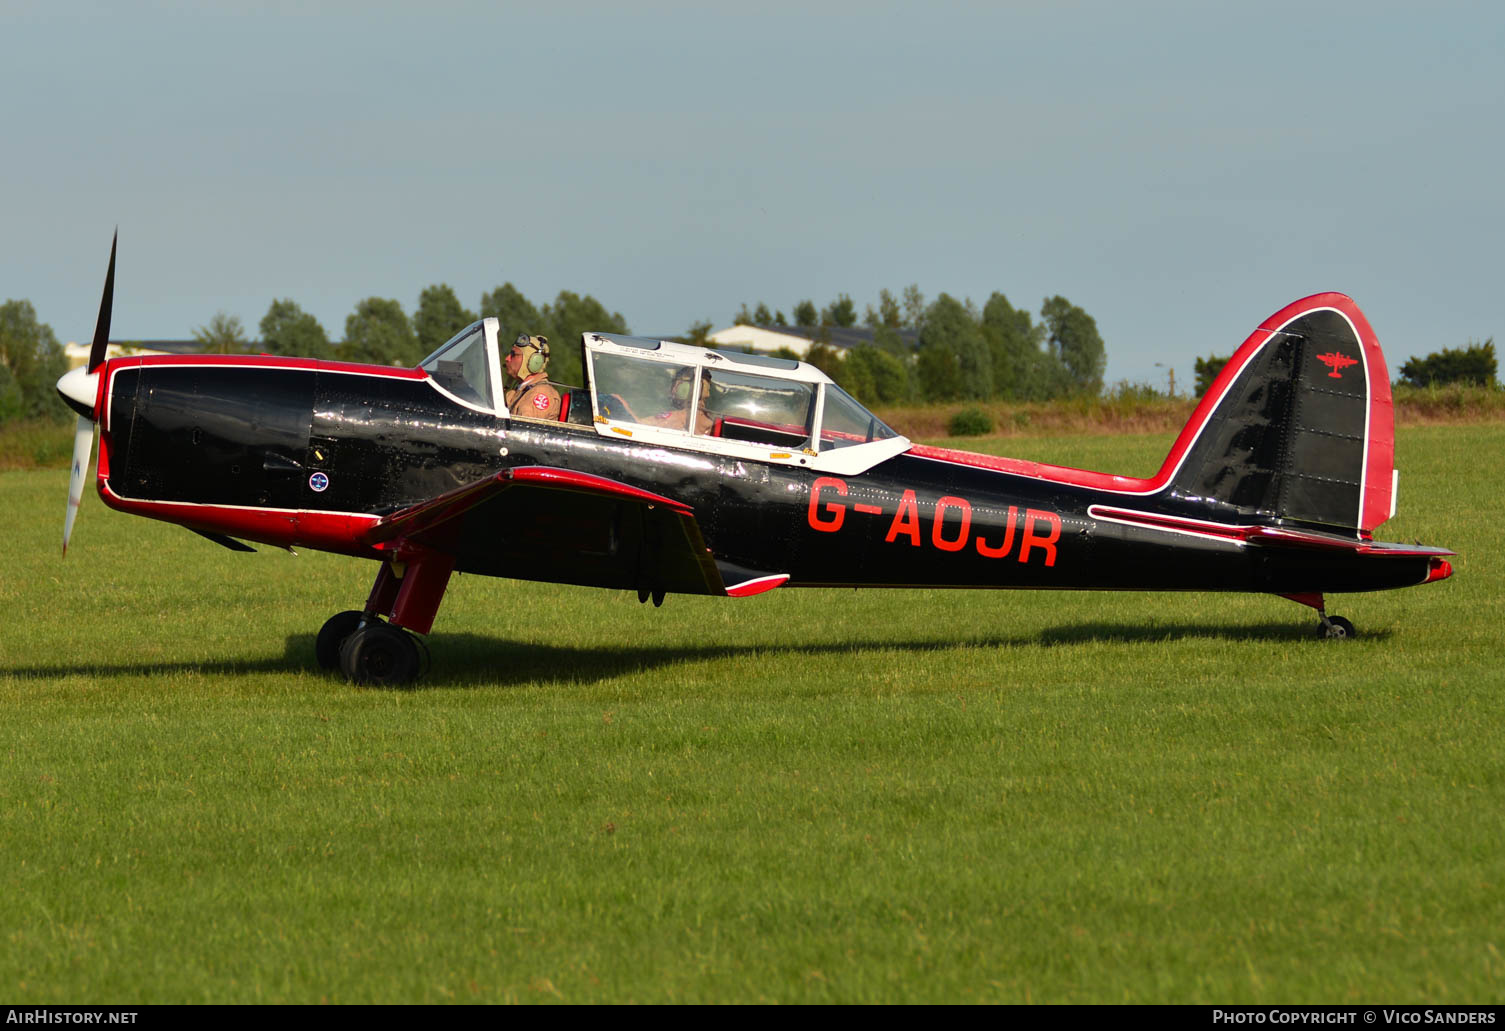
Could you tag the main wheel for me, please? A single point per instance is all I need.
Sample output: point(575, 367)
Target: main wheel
point(1336, 629)
point(380, 654)
point(332, 634)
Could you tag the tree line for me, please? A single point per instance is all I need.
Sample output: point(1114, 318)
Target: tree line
point(951, 350)
point(31, 360)
point(379, 332)
point(921, 351)
point(1473, 364)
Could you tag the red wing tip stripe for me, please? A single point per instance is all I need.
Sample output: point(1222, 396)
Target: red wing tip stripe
point(568, 479)
point(1441, 569)
point(747, 588)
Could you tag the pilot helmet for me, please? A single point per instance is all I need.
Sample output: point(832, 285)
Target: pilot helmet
point(682, 386)
point(539, 359)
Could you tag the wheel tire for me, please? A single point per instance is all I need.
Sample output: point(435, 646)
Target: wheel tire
point(380, 655)
point(1336, 629)
point(332, 634)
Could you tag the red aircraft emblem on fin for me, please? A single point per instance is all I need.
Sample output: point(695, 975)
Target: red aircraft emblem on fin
point(1336, 361)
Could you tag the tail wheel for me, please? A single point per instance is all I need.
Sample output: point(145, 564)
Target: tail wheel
point(332, 634)
point(1336, 628)
point(380, 654)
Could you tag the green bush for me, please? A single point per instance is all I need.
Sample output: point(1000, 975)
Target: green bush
point(1472, 364)
point(970, 422)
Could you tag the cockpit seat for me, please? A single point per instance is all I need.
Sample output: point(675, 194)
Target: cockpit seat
point(574, 406)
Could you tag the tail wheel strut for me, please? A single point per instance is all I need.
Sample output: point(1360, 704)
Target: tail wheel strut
point(1331, 628)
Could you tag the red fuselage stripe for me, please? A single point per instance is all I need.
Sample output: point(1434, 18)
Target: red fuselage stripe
point(340, 532)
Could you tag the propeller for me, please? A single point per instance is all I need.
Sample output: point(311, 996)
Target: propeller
point(79, 387)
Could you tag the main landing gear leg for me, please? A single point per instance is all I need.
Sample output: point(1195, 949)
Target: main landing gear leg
point(1332, 628)
point(407, 591)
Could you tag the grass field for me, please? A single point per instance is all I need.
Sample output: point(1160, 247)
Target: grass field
point(801, 797)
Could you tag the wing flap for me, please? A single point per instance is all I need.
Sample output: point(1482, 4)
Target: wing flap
point(562, 526)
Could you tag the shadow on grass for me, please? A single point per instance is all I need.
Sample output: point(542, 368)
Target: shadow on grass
point(1140, 633)
point(474, 660)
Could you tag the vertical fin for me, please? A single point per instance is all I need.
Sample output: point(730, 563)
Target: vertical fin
point(1298, 427)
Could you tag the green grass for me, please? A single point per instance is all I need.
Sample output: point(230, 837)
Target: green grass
point(802, 797)
point(37, 443)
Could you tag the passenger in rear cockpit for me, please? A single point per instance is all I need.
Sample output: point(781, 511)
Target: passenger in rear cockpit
point(531, 395)
point(681, 388)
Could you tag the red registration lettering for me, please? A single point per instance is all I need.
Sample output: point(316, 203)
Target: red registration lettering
point(1032, 518)
point(986, 550)
point(906, 521)
point(937, 538)
point(837, 510)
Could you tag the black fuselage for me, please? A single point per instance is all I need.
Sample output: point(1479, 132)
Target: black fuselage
point(219, 440)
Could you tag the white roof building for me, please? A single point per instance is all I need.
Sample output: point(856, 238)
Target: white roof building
point(798, 339)
point(78, 353)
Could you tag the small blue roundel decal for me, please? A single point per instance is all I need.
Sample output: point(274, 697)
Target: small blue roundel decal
point(319, 482)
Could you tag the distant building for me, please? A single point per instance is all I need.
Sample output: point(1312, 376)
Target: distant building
point(767, 339)
point(78, 353)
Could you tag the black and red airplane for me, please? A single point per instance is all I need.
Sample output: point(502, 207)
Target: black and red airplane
point(681, 469)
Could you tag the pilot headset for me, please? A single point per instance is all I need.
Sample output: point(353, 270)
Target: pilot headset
point(682, 386)
point(539, 359)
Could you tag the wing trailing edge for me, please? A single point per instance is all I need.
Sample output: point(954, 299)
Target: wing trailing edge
point(428, 515)
point(559, 525)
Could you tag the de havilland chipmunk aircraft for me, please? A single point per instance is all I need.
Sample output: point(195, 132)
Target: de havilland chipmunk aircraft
point(779, 478)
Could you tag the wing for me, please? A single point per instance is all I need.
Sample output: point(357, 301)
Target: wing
point(561, 526)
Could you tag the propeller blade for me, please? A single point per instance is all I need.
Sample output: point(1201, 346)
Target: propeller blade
point(102, 325)
point(83, 446)
point(77, 387)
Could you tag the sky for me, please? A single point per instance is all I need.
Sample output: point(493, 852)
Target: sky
point(1179, 170)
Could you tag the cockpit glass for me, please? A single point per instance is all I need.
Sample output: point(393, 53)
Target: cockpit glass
point(844, 422)
point(652, 393)
point(761, 409)
point(460, 366)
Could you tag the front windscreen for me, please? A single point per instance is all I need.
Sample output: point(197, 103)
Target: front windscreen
point(844, 422)
point(460, 366)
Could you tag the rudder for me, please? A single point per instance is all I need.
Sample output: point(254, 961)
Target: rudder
point(1298, 427)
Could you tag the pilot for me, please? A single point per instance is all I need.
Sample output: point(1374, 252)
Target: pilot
point(531, 395)
point(677, 417)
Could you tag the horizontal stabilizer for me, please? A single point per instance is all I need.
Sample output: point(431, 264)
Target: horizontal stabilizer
point(1263, 536)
